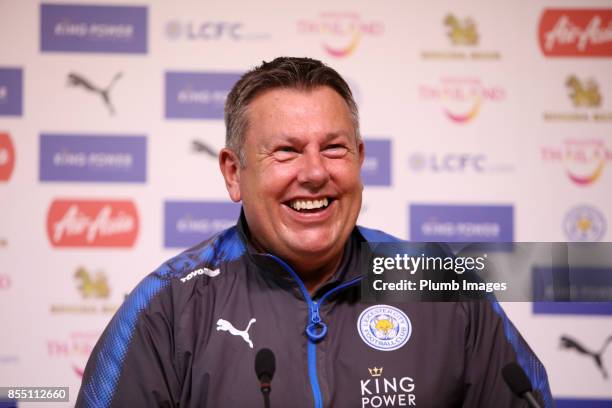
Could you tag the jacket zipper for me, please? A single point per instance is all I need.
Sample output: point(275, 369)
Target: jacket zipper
point(316, 328)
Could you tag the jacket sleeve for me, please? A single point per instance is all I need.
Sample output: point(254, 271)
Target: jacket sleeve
point(492, 341)
point(132, 365)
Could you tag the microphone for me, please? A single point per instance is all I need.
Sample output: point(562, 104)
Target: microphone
point(265, 365)
point(518, 382)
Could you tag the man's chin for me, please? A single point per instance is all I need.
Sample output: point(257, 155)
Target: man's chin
point(317, 249)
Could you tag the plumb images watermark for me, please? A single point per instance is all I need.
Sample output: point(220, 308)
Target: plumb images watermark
point(422, 263)
point(35, 394)
point(514, 271)
point(430, 285)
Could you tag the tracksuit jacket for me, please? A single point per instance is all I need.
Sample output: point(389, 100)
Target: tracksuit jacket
point(188, 334)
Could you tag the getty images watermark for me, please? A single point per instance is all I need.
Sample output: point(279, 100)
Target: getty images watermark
point(540, 272)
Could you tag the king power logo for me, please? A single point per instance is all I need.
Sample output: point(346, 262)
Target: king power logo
point(576, 33)
point(90, 223)
point(379, 391)
point(93, 28)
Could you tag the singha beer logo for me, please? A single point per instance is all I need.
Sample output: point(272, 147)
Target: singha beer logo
point(576, 33)
point(88, 223)
point(585, 96)
point(569, 343)
point(378, 391)
point(94, 291)
point(78, 80)
point(461, 32)
point(91, 287)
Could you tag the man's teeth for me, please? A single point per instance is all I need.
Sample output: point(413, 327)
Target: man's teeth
point(309, 204)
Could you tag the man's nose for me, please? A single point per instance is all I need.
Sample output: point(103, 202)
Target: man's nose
point(313, 172)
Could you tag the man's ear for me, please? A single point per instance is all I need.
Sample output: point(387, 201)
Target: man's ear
point(361, 151)
point(230, 168)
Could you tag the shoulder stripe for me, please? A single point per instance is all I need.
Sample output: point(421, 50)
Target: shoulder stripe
point(99, 390)
point(224, 247)
point(528, 362)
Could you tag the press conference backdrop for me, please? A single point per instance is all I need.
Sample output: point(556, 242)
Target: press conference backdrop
point(483, 121)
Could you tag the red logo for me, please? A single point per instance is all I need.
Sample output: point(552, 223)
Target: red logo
point(576, 32)
point(89, 223)
point(7, 157)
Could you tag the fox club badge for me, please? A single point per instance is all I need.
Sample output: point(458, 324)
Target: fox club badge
point(384, 327)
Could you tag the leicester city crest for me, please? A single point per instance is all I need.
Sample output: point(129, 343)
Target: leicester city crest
point(384, 327)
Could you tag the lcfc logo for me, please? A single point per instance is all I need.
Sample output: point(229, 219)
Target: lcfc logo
point(384, 328)
point(584, 224)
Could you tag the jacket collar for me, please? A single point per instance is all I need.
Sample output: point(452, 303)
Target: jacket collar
point(274, 272)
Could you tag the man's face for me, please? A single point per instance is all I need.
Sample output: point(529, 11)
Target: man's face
point(301, 186)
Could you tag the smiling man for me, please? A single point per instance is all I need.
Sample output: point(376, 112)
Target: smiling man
point(297, 173)
point(287, 276)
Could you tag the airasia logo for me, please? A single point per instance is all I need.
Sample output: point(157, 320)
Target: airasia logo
point(576, 33)
point(89, 223)
point(7, 157)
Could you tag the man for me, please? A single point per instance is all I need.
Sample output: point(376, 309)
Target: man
point(287, 278)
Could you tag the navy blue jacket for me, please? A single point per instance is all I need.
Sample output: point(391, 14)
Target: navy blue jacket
point(187, 336)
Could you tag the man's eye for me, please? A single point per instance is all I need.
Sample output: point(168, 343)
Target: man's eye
point(335, 150)
point(336, 146)
point(284, 153)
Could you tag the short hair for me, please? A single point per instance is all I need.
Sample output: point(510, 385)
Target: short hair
point(283, 72)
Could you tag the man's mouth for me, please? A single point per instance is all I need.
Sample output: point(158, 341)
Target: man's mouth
point(309, 206)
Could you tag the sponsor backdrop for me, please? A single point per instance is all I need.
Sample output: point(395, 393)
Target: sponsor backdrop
point(483, 122)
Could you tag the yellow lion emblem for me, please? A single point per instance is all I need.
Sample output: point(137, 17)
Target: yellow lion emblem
point(461, 32)
point(584, 224)
point(384, 325)
point(586, 94)
point(92, 287)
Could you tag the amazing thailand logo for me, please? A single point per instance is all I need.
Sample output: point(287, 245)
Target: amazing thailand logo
point(461, 99)
point(583, 160)
point(340, 33)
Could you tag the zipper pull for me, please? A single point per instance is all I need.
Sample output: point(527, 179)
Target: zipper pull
point(315, 320)
point(314, 313)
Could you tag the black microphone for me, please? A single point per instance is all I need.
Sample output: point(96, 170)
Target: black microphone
point(519, 383)
point(265, 365)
